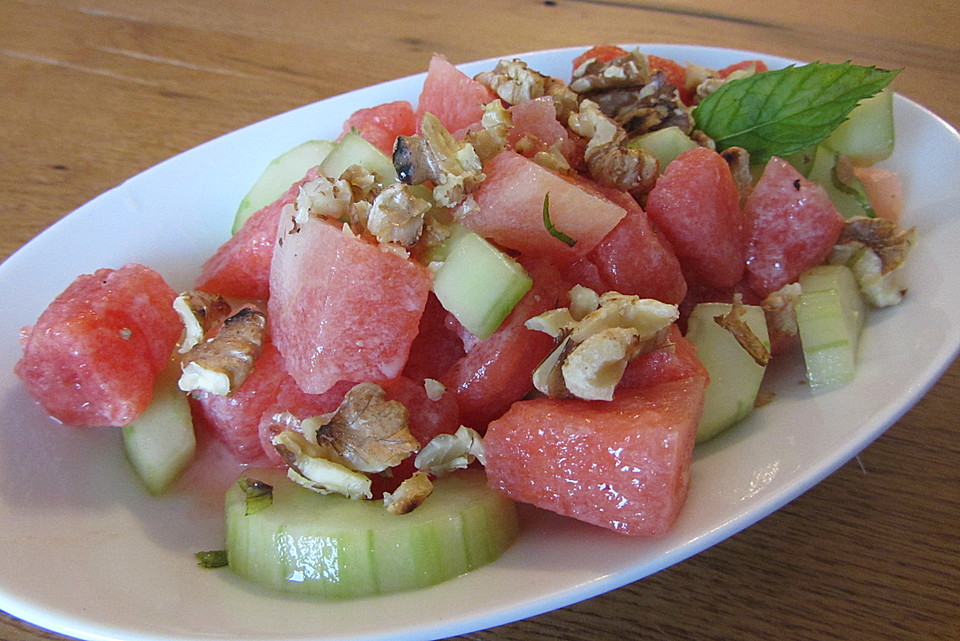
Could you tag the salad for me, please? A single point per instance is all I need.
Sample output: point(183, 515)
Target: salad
point(481, 240)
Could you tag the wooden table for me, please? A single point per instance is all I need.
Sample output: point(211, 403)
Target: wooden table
point(94, 91)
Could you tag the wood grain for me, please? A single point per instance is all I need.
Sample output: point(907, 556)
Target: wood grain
point(94, 91)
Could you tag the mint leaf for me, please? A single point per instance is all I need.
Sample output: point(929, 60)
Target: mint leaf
point(777, 113)
point(556, 233)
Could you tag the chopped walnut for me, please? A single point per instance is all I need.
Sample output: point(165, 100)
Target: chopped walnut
point(222, 363)
point(630, 70)
point(779, 309)
point(733, 322)
point(515, 82)
point(594, 350)
point(310, 465)
point(367, 430)
point(201, 313)
point(608, 159)
point(655, 105)
point(492, 137)
point(396, 215)
point(874, 249)
point(435, 155)
point(410, 494)
point(738, 160)
point(446, 453)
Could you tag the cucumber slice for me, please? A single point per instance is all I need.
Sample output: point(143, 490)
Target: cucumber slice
point(333, 547)
point(848, 195)
point(663, 144)
point(479, 284)
point(160, 442)
point(830, 316)
point(354, 149)
point(734, 376)
point(283, 171)
point(867, 136)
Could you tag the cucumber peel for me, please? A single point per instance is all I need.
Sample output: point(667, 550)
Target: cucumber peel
point(333, 547)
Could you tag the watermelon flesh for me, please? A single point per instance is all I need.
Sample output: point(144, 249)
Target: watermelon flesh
point(510, 210)
point(696, 205)
point(622, 464)
point(792, 226)
point(342, 308)
point(94, 354)
point(381, 125)
point(452, 96)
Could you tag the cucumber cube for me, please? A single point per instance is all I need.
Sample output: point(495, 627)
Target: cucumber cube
point(830, 316)
point(160, 442)
point(479, 284)
point(735, 376)
point(283, 171)
point(867, 136)
point(663, 144)
point(354, 149)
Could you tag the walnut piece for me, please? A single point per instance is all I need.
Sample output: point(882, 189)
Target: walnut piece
point(445, 453)
point(631, 70)
point(409, 495)
point(310, 465)
point(733, 322)
point(515, 82)
point(594, 350)
point(222, 363)
point(367, 430)
point(396, 216)
point(608, 159)
point(201, 313)
point(874, 249)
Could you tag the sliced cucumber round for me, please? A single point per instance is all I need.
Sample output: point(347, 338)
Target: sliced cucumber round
point(333, 547)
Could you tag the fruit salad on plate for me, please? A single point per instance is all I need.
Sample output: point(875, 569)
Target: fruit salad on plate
point(520, 288)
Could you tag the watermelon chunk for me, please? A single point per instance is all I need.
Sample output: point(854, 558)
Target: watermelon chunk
point(793, 225)
point(622, 464)
point(696, 205)
point(634, 258)
point(382, 124)
point(240, 268)
point(536, 128)
point(452, 96)
point(341, 307)
point(511, 210)
point(94, 354)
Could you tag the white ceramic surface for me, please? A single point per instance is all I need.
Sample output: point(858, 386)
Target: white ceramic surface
point(85, 552)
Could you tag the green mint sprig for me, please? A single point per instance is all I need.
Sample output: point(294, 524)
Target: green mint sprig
point(777, 113)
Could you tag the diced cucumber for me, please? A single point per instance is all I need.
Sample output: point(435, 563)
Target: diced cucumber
point(847, 194)
point(478, 283)
point(867, 136)
point(663, 144)
point(334, 547)
point(283, 171)
point(802, 160)
point(830, 316)
point(354, 149)
point(735, 376)
point(160, 442)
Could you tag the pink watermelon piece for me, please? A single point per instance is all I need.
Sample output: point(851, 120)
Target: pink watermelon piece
point(452, 96)
point(535, 124)
point(511, 210)
point(437, 345)
point(634, 258)
point(622, 464)
point(696, 205)
point(665, 365)
point(341, 307)
point(498, 370)
point(382, 124)
point(240, 268)
point(93, 356)
point(793, 225)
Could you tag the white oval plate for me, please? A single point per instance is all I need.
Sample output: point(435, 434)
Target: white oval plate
point(85, 552)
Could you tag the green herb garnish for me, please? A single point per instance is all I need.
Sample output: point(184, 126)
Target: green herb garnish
point(556, 233)
point(777, 113)
point(259, 495)
point(212, 559)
